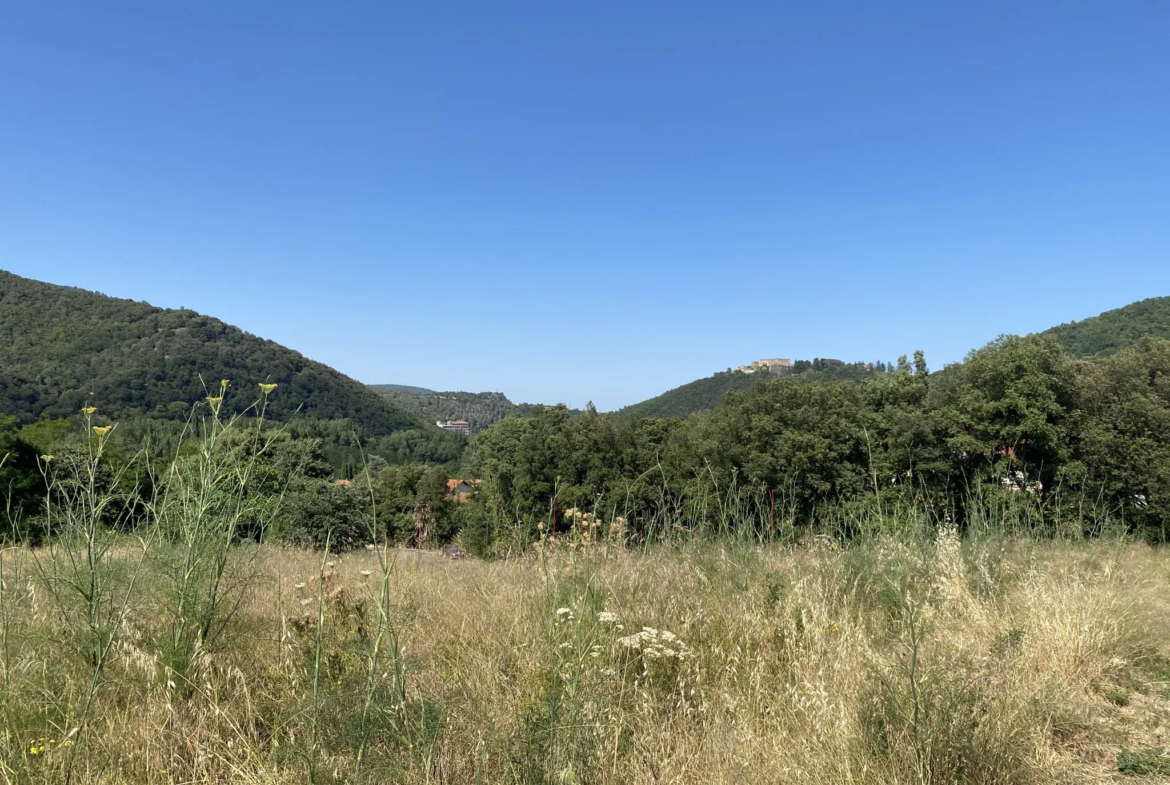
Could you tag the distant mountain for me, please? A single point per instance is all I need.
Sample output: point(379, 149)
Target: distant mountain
point(63, 348)
point(703, 394)
point(480, 410)
point(406, 388)
point(1115, 330)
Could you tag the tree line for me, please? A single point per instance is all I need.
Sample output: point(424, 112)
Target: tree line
point(1071, 445)
point(1074, 442)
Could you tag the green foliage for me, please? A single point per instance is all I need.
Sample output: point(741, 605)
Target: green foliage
point(1008, 403)
point(1150, 762)
point(320, 511)
point(806, 435)
point(20, 480)
point(1017, 435)
point(383, 507)
point(1112, 331)
point(1121, 428)
point(479, 410)
point(66, 348)
point(705, 394)
point(429, 445)
point(697, 396)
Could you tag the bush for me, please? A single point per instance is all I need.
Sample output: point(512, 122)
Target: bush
point(321, 511)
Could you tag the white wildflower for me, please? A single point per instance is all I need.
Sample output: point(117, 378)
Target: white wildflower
point(605, 617)
point(300, 585)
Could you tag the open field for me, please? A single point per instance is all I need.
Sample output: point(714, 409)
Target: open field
point(983, 660)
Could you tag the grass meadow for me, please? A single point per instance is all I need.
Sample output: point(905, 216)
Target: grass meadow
point(989, 659)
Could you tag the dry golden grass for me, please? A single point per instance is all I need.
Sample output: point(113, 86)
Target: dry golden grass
point(992, 662)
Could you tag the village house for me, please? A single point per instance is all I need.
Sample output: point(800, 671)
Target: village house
point(461, 490)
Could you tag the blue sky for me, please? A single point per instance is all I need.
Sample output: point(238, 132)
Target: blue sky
point(592, 201)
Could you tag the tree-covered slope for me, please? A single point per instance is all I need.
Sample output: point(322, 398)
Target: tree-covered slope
point(1112, 331)
point(480, 410)
point(697, 396)
point(704, 394)
point(62, 347)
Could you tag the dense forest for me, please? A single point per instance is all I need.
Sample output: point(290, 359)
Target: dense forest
point(1077, 441)
point(1077, 444)
point(704, 394)
point(480, 410)
point(63, 348)
point(1114, 330)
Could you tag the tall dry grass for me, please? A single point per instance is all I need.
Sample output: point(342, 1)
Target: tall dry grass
point(937, 660)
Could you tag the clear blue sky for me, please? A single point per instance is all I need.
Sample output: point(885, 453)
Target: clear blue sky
point(575, 201)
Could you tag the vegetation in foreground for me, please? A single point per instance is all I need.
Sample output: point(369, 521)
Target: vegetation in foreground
point(928, 660)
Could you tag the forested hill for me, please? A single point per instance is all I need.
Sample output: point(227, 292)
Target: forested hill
point(697, 396)
point(704, 394)
point(61, 348)
point(1115, 330)
point(480, 410)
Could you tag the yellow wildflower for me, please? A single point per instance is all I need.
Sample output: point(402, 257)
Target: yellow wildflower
point(102, 430)
point(88, 411)
point(267, 388)
point(46, 458)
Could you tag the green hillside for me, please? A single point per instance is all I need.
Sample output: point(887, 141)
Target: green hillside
point(1112, 331)
point(62, 348)
point(704, 394)
point(479, 409)
point(697, 396)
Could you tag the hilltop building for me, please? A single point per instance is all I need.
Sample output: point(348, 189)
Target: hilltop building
point(776, 365)
point(459, 426)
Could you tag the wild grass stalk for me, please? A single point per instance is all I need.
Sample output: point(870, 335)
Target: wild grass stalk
point(90, 584)
point(316, 668)
point(205, 500)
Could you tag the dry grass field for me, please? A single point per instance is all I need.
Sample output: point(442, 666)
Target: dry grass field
point(943, 661)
